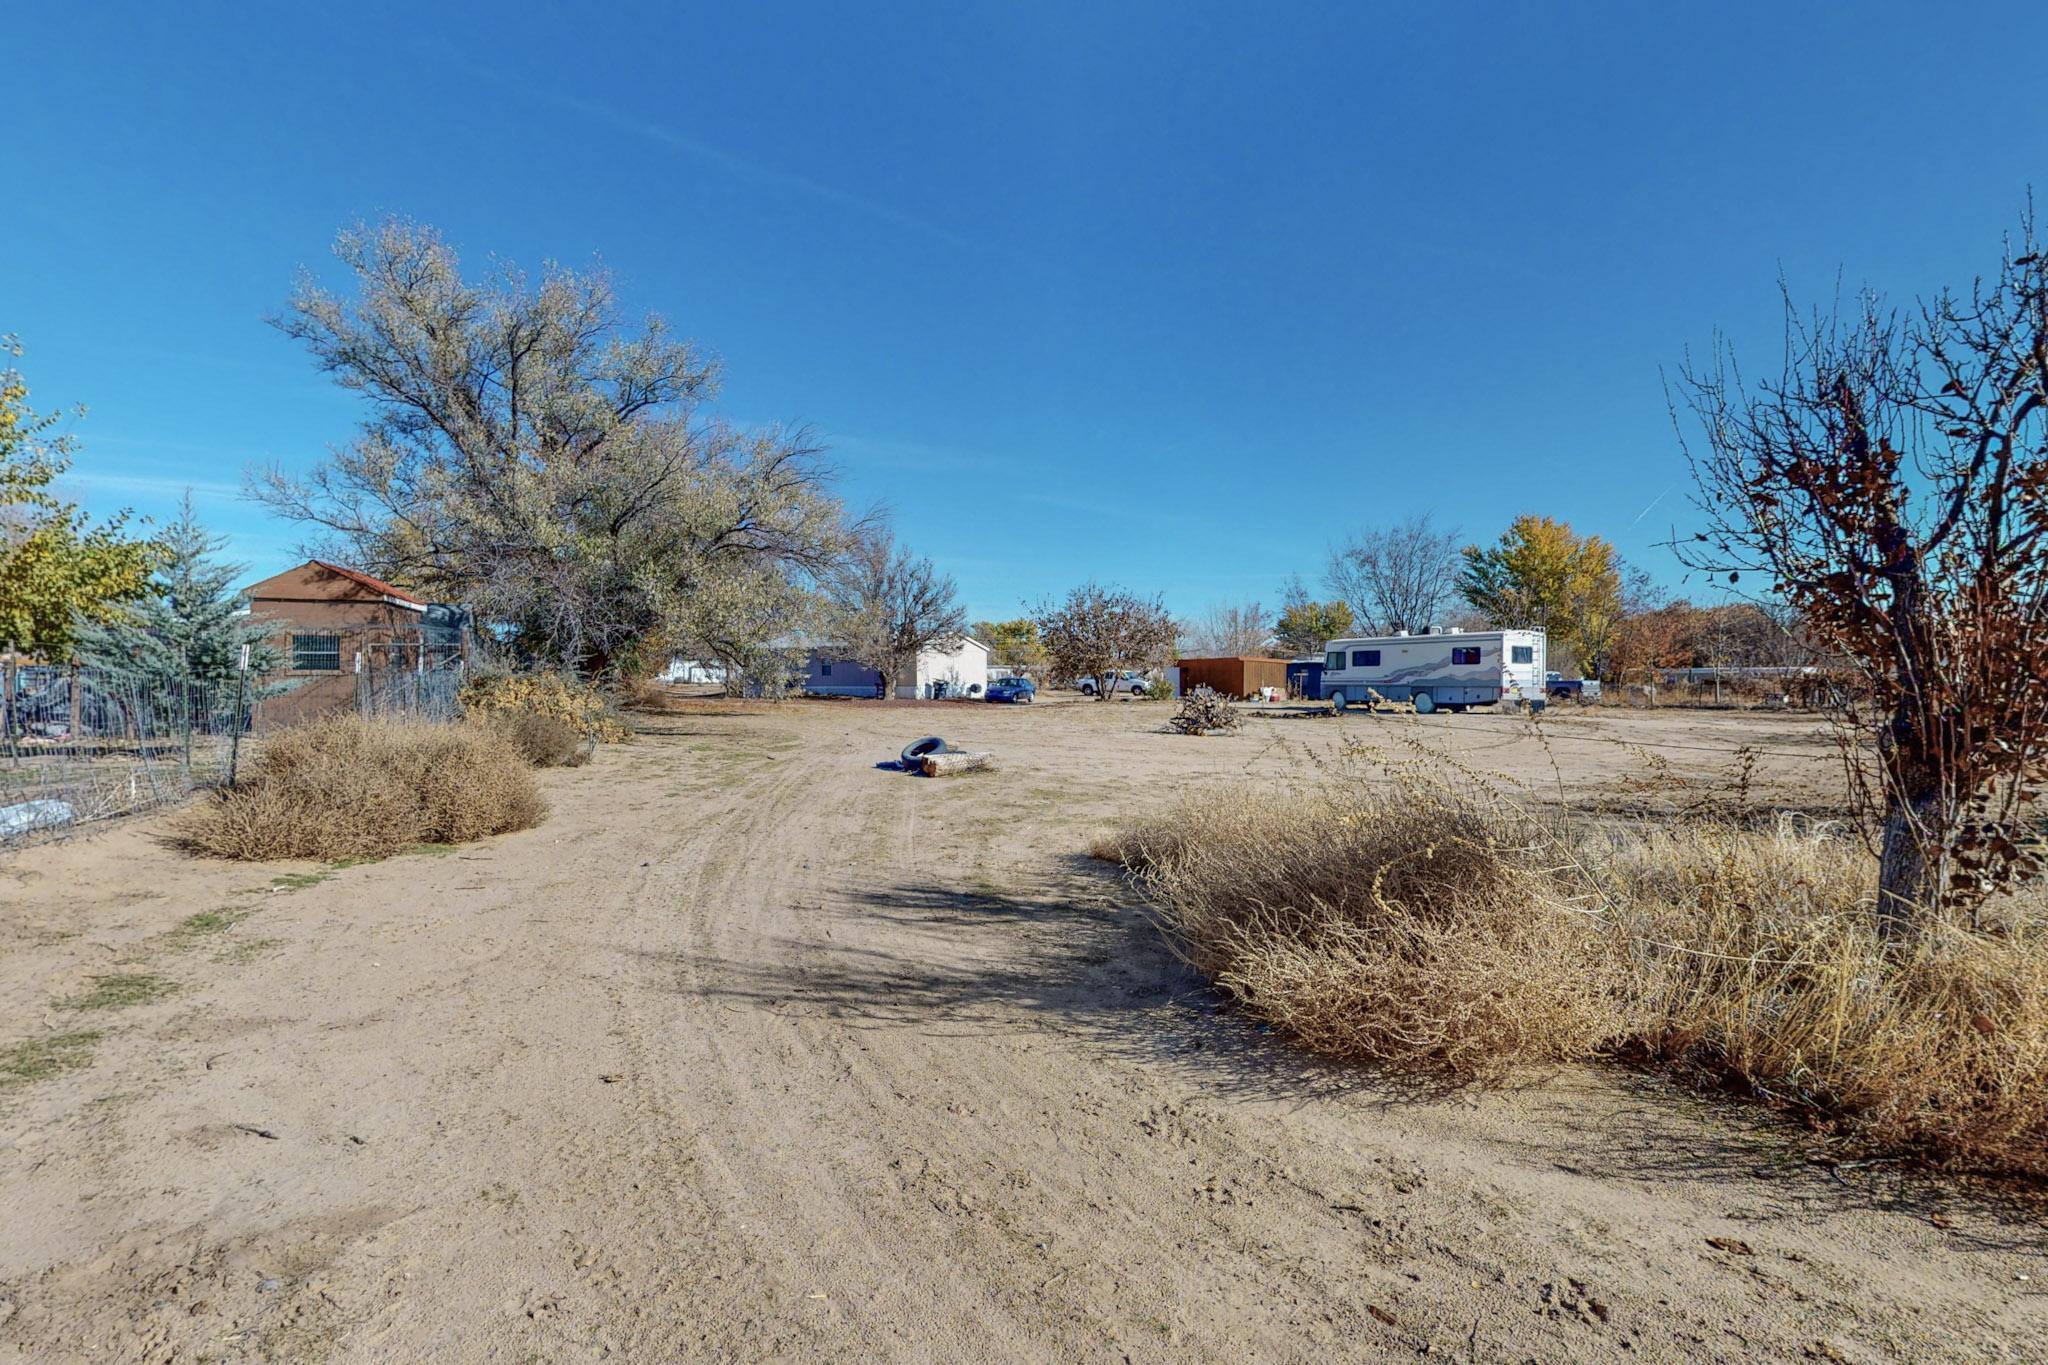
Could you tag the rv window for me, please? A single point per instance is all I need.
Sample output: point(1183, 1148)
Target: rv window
point(1465, 654)
point(1365, 658)
point(1525, 654)
point(1333, 662)
point(316, 653)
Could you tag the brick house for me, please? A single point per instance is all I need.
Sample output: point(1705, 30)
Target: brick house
point(331, 624)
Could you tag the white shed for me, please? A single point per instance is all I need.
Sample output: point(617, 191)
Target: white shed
point(961, 671)
point(692, 671)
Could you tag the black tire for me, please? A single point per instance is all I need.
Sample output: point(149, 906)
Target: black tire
point(1087, 689)
point(930, 744)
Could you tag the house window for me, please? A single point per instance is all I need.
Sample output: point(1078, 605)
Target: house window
point(1465, 654)
point(1524, 654)
point(1333, 662)
point(1365, 658)
point(316, 653)
point(824, 668)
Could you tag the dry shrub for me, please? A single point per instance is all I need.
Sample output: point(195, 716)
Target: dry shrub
point(1465, 933)
point(349, 787)
point(1760, 970)
point(582, 705)
point(543, 740)
point(1415, 931)
point(638, 693)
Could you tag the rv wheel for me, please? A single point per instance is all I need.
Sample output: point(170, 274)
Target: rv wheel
point(1424, 703)
point(1337, 702)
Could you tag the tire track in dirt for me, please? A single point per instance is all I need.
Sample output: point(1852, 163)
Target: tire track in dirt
point(831, 1137)
point(946, 1130)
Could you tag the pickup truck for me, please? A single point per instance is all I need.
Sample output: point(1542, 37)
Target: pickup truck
point(1571, 689)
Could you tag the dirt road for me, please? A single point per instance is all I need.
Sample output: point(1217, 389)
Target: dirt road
point(755, 1051)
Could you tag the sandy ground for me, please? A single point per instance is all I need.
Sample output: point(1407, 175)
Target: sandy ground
point(754, 1051)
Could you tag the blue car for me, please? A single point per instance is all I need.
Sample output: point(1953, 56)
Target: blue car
point(1012, 689)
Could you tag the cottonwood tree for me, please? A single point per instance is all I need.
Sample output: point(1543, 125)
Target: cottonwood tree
point(889, 606)
point(533, 455)
point(58, 570)
point(1541, 575)
point(1012, 644)
point(1400, 577)
point(1306, 625)
point(1891, 483)
point(755, 623)
point(1231, 630)
point(1097, 632)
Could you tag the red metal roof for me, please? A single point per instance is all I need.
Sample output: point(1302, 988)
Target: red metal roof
point(376, 585)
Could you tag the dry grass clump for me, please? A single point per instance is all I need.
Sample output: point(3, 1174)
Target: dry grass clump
point(349, 787)
point(1460, 932)
point(1758, 970)
point(1417, 932)
point(639, 693)
point(543, 739)
point(579, 704)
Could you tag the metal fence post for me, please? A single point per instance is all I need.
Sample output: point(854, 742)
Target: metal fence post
point(77, 708)
point(235, 743)
point(7, 685)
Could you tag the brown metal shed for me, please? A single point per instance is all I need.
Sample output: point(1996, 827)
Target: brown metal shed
point(1240, 676)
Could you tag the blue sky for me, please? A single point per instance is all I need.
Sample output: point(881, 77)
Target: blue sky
point(1172, 295)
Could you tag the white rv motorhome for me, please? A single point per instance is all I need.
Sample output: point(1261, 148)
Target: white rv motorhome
point(1454, 670)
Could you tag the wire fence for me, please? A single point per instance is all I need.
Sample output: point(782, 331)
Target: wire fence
point(81, 744)
point(419, 695)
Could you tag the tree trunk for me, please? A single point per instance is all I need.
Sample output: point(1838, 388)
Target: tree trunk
point(1911, 867)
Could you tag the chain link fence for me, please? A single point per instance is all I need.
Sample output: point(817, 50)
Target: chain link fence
point(82, 744)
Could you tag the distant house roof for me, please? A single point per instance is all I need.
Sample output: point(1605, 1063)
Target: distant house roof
point(315, 580)
point(376, 585)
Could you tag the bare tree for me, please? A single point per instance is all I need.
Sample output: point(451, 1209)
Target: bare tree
point(1098, 632)
point(531, 454)
point(1892, 485)
point(889, 606)
point(1400, 577)
point(1231, 630)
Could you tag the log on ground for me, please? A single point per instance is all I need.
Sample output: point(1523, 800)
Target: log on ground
point(950, 765)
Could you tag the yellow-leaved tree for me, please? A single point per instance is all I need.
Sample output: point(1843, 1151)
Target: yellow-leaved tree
point(56, 568)
point(1543, 575)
